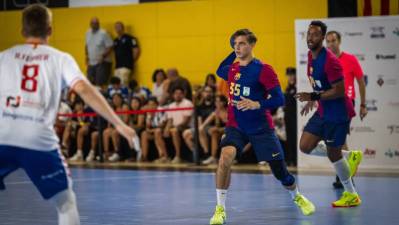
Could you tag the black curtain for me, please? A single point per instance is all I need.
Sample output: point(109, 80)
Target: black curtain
point(342, 8)
point(20, 4)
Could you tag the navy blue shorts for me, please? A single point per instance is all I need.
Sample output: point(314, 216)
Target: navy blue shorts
point(266, 145)
point(47, 170)
point(333, 134)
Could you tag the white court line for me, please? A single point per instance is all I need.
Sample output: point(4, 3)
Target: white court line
point(118, 178)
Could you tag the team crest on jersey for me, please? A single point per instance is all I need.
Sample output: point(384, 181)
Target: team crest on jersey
point(246, 91)
point(237, 76)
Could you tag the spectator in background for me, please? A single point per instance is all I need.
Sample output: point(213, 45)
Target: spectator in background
point(205, 106)
point(210, 81)
point(216, 121)
point(177, 121)
point(72, 128)
point(158, 78)
point(155, 122)
point(98, 53)
point(127, 52)
point(290, 117)
point(173, 81)
point(116, 87)
point(111, 133)
point(223, 88)
point(62, 122)
point(137, 91)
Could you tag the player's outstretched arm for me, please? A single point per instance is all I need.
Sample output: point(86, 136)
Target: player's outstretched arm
point(337, 91)
point(97, 102)
point(223, 70)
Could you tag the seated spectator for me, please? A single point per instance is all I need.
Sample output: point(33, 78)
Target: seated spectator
point(72, 127)
point(158, 78)
point(62, 122)
point(173, 81)
point(136, 121)
point(110, 133)
point(116, 87)
point(210, 81)
point(205, 107)
point(177, 121)
point(136, 91)
point(155, 122)
point(219, 118)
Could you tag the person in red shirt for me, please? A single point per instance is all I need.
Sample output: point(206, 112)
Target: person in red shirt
point(352, 70)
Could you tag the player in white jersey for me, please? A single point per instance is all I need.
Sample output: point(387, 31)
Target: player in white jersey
point(31, 78)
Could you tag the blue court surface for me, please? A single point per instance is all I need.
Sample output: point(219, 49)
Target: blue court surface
point(123, 197)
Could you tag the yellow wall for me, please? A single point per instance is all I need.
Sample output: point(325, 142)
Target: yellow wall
point(190, 35)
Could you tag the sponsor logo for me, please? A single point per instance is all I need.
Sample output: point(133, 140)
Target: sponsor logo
point(246, 91)
point(377, 32)
point(386, 80)
point(14, 102)
point(396, 31)
point(302, 34)
point(353, 34)
point(275, 154)
point(362, 129)
point(371, 105)
point(391, 153)
point(360, 57)
point(330, 141)
point(303, 59)
point(369, 153)
point(385, 57)
point(380, 81)
point(393, 129)
point(394, 104)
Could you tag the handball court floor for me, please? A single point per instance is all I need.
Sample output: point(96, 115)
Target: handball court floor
point(124, 197)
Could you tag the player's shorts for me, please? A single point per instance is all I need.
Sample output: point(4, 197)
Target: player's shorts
point(333, 134)
point(46, 169)
point(266, 145)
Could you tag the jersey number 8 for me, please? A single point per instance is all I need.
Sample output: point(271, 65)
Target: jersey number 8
point(29, 74)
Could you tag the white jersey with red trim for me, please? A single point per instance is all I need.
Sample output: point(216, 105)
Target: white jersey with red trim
point(31, 79)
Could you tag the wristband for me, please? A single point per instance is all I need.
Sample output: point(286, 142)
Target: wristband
point(314, 96)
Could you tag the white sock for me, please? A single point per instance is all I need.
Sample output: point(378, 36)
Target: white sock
point(79, 152)
point(320, 150)
point(342, 169)
point(67, 210)
point(294, 192)
point(221, 197)
point(345, 153)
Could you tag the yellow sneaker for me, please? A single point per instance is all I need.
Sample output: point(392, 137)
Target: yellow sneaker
point(219, 218)
point(348, 200)
point(354, 159)
point(304, 204)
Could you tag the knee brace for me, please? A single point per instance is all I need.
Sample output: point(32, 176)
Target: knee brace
point(280, 172)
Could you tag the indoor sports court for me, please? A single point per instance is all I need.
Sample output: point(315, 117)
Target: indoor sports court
point(191, 112)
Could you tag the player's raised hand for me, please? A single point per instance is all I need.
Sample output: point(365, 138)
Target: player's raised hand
point(303, 96)
point(247, 104)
